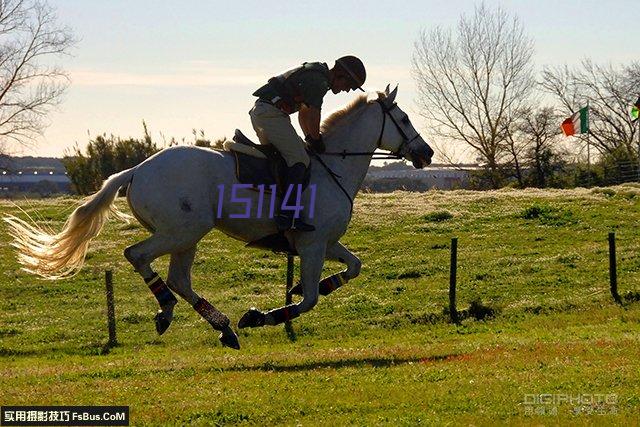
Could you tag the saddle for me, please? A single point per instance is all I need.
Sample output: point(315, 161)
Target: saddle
point(259, 164)
point(255, 163)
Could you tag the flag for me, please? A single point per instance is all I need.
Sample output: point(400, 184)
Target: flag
point(577, 123)
point(635, 111)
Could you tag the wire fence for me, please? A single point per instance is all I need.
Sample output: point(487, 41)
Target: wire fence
point(622, 172)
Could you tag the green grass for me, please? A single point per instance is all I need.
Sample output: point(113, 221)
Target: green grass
point(533, 264)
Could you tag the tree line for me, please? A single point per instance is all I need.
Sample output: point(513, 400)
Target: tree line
point(478, 86)
point(105, 155)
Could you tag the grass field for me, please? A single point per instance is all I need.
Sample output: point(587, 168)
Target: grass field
point(379, 350)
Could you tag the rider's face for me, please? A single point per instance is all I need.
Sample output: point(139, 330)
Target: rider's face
point(340, 84)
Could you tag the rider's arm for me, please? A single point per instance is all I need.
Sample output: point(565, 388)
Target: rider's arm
point(309, 118)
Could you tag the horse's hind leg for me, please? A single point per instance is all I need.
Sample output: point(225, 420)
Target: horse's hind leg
point(179, 280)
point(141, 255)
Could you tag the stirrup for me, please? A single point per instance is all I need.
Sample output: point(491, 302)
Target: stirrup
point(285, 223)
point(300, 225)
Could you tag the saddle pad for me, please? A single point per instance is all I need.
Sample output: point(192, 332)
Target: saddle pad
point(243, 148)
point(252, 170)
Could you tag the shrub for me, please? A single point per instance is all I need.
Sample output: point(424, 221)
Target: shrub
point(437, 216)
point(104, 157)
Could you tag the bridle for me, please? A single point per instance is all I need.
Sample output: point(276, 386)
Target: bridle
point(386, 111)
point(391, 155)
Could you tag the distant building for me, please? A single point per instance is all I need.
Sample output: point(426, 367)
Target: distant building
point(443, 177)
point(35, 175)
point(44, 184)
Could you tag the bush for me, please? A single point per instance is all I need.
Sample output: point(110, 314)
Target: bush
point(104, 157)
point(438, 216)
point(548, 215)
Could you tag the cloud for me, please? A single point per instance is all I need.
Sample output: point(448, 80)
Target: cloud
point(206, 73)
point(180, 77)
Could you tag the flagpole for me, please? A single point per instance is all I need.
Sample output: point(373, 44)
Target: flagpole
point(638, 121)
point(588, 148)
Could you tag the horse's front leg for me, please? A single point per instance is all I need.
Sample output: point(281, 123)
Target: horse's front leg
point(311, 262)
point(336, 252)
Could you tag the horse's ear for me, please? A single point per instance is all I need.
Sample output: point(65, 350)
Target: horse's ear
point(386, 91)
point(391, 97)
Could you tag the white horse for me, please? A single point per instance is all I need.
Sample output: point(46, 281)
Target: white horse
point(175, 195)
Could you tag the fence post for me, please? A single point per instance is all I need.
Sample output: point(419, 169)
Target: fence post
point(288, 326)
point(613, 273)
point(453, 312)
point(288, 298)
point(111, 314)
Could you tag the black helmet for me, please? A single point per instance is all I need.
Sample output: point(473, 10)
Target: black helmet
point(355, 69)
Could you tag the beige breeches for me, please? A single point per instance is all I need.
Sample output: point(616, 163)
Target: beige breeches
point(274, 127)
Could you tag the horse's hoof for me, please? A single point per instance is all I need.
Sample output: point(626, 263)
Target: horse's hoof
point(296, 290)
point(163, 320)
point(253, 318)
point(228, 338)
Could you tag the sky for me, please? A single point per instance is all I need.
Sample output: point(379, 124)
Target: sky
point(183, 65)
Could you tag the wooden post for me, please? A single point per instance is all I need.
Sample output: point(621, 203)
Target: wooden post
point(613, 273)
point(453, 312)
point(288, 326)
point(288, 300)
point(111, 316)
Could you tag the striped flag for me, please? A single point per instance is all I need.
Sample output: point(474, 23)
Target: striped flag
point(577, 123)
point(635, 111)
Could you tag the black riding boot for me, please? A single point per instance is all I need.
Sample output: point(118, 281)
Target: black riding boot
point(285, 219)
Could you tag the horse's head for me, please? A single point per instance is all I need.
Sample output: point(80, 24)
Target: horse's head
point(398, 134)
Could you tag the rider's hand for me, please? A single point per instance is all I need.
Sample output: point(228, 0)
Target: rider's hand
point(316, 145)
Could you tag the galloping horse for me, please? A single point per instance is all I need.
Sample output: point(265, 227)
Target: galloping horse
point(173, 195)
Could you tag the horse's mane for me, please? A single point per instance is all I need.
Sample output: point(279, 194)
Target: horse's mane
point(338, 117)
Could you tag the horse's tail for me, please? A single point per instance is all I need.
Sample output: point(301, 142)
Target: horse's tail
point(54, 256)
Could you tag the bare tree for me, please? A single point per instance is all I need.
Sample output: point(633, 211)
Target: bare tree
point(537, 134)
point(30, 38)
point(609, 91)
point(516, 145)
point(474, 80)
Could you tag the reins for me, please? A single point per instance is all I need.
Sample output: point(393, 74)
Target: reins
point(345, 153)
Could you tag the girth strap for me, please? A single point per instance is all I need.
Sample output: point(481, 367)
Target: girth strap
point(335, 177)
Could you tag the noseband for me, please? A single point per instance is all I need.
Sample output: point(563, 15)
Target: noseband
point(405, 139)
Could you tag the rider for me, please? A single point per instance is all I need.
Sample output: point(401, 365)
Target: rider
point(300, 90)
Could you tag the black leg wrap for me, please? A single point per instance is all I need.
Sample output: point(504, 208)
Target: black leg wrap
point(284, 314)
point(161, 291)
point(332, 283)
point(215, 318)
point(326, 286)
point(296, 290)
